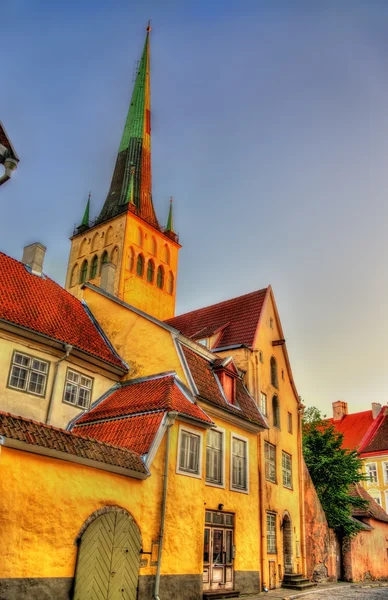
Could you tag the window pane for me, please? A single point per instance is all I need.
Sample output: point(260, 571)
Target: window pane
point(214, 457)
point(228, 546)
point(18, 378)
point(83, 398)
point(39, 365)
point(20, 359)
point(36, 383)
point(239, 476)
point(206, 546)
point(217, 545)
point(189, 452)
point(70, 393)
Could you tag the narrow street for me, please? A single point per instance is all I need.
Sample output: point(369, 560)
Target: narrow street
point(351, 592)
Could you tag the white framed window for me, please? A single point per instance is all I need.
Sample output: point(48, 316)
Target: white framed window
point(263, 403)
point(376, 495)
point(371, 473)
point(271, 533)
point(239, 464)
point(28, 374)
point(215, 454)
point(270, 462)
point(189, 452)
point(385, 471)
point(78, 389)
point(287, 470)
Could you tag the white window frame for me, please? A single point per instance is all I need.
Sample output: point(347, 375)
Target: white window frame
point(264, 401)
point(234, 488)
point(371, 482)
point(376, 493)
point(386, 500)
point(287, 470)
point(191, 431)
point(30, 370)
point(273, 537)
point(78, 386)
point(385, 472)
point(223, 454)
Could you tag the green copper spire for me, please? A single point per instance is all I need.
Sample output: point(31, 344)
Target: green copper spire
point(170, 223)
point(85, 220)
point(134, 186)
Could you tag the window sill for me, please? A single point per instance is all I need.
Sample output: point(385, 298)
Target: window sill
point(216, 485)
point(287, 487)
point(189, 474)
point(76, 405)
point(240, 490)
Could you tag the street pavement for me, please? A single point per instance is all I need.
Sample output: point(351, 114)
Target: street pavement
point(339, 591)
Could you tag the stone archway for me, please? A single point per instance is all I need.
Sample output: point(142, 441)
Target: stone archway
point(108, 557)
point(287, 544)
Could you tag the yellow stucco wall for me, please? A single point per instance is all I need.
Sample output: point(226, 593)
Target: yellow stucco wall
point(381, 487)
point(35, 407)
point(147, 348)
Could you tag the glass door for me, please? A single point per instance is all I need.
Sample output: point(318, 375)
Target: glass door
point(218, 552)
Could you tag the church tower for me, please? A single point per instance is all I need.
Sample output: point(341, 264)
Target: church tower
point(125, 250)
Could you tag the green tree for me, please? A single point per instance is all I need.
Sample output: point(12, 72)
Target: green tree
point(333, 470)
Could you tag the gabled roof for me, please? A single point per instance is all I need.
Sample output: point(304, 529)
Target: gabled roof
point(51, 438)
point(40, 305)
point(131, 413)
point(353, 427)
point(239, 318)
point(373, 509)
point(202, 372)
point(378, 441)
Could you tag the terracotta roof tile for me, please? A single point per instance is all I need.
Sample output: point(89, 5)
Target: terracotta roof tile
point(41, 305)
point(353, 427)
point(45, 436)
point(159, 393)
point(379, 441)
point(135, 433)
point(209, 390)
point(242, 314)
point(373, 509)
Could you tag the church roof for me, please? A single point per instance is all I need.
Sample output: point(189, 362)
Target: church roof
point(131, 186)
point(39, 304)
point(132, 411)
point(237, 319)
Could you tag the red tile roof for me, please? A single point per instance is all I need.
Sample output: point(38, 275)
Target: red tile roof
point(378, 441)
point(353, 427)
point(135, 433)
point(242, 315)
point(209, 390)
point(151, 394)
point(373, 509)
point(45, 436)
point(41, 305)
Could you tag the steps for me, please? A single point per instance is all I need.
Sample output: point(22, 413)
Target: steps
point(210, 594)
point(294, 581)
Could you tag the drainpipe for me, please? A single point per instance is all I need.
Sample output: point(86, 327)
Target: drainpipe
point(262, 511)
point(10, 165)
point(68, 348)
point(171, 420)
point(301, 488)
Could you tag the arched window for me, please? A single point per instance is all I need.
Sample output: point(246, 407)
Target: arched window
point(276, 412)
point(140, 265)
point(95, 241)
point(139, 237)
point(131, 259)
point(150, 271)
point(82, 248)
point(166, 254)
point(114, 256)
point(74, 275)
point(274, 372)
point(109, 236)
point(93, 267)
point(104, 259)
point(154, 246)
point(84, 272)
point(160, 278)
point(170, 283)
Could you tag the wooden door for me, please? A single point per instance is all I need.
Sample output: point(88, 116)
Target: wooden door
point(108, 559)
point(272, 574)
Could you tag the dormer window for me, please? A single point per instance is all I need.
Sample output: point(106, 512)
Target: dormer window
point(204, 342)
point(228, 383)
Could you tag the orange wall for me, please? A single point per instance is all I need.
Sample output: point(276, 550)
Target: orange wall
point(366, 555)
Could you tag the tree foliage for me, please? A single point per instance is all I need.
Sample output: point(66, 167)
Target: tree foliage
point(333, 470)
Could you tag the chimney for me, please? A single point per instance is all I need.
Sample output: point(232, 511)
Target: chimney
point(340, 409)
point(33, 256)
point(376, 408)
point(108, 272)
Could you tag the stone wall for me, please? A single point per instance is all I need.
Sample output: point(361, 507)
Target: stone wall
point(365, 557)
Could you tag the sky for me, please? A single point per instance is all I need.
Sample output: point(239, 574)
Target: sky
point(269, 129)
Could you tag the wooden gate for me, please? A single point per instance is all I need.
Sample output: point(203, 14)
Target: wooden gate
point(108, 559)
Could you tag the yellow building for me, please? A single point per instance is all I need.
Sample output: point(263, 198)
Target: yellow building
point(54, 358)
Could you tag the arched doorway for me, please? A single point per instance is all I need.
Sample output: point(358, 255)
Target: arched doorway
point(287, 544)
point(108, 557)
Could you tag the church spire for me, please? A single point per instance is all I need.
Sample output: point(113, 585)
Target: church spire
point(133, 164)
point(170, 222)
point(85, 218)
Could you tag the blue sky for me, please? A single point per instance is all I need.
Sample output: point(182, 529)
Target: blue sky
point(270, 129)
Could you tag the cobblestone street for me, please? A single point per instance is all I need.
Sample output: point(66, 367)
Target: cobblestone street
point(352, 592)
